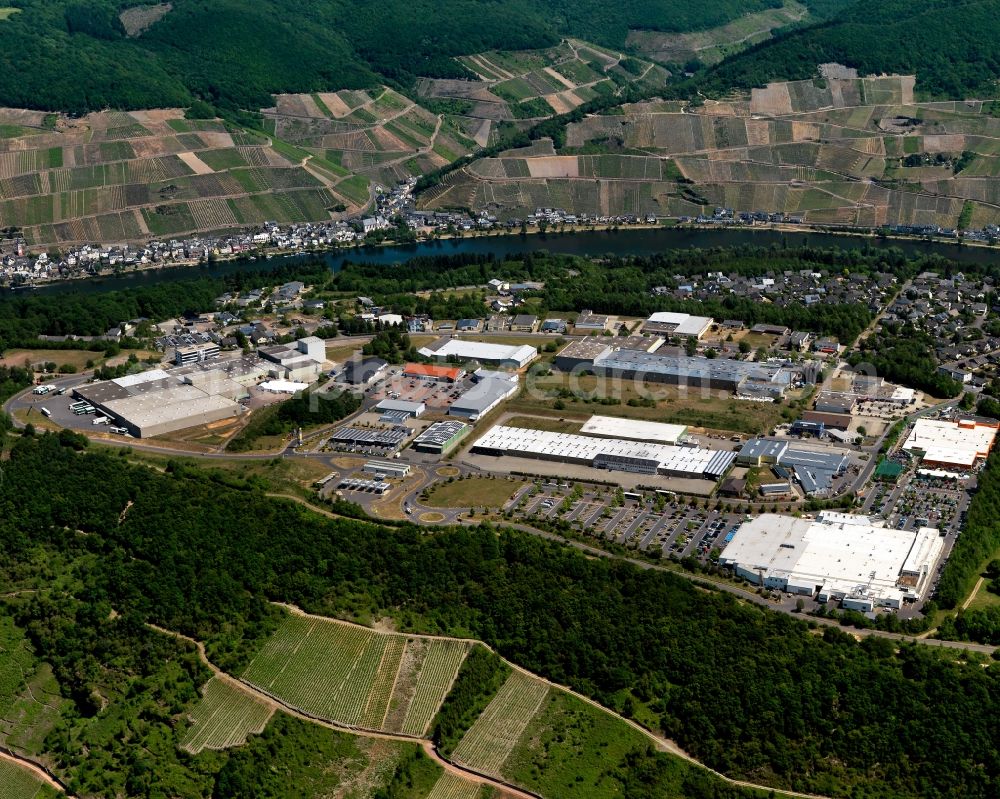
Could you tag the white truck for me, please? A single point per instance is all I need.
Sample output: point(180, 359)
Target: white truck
point(101, 420)
point(43, 389)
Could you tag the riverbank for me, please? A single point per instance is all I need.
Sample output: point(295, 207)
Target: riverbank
point(636, 240)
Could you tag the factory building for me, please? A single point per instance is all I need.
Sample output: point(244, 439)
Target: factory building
point(681, 325)
point(740, 377)
point(837, 556)
point(634, 429)
point(440, 437)
point(503, 355)
point(362, 371)
point(952, 444)
point(486, 394)
point(604, 453)
point(155, 402)
point(815, 471)
point(302, 361)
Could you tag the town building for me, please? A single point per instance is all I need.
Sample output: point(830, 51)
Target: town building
point(196, 353)
point(362, 371)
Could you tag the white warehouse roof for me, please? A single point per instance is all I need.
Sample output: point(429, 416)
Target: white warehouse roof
point(952, 443)
point(483, 352)
point(684, 324)
point(637, 429)
point(687, 461)
point(834, 555)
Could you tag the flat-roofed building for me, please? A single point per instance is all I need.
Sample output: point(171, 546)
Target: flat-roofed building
point(515, 357)
point(196, 353)
point(440, 437)
point(429, 371)
point(952, 444)
point(836, 556)
point(635, 429)
point(605, 453)
point(387, 468)
point(413, 409)
point(588, 322)
point(682, 325)
point(302, 361)
point(761, 451)
point(362, 371)
point(484, 395)
point(524, 323)
point(581, 354)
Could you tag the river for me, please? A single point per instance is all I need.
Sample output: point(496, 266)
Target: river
point(642, 241)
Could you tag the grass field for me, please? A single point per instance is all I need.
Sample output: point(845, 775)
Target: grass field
point(224, 717)
point(437, 673)
point(19, 783)
point(473, 491)
point(714, 410)
point(336, 671)
point(490, 740)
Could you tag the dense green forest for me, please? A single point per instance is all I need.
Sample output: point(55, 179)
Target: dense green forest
point(951, 46)
point(752, 693)
point(74, 55)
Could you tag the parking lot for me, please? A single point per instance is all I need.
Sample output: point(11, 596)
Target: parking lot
point(641, 520)
point(432, 393)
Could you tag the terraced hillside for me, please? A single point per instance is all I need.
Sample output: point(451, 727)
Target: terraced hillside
point(857, 151)
point(355, 676)
point(356, 137)
point(114, 177)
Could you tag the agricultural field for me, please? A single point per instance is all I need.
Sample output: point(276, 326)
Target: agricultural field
point(224, 717)
point(19, 783)
point(436, 674)
point(532, 84)
point(356, 138)
point(492, 737)
point(449, 786)
point(832, 151)
point(113, 177)
point(335, 671)
point(356, 676)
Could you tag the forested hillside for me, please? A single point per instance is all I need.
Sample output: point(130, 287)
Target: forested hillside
point(77, 55)
point(951, 45)
point(751, 693)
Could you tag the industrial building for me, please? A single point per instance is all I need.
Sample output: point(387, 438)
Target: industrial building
point(362, 371)
point(635, 429)
point(581, 354)
point(836, 556)
point(815, 471)
point(387, 468)
point(382, 438)
point(483, 397)
point(681, 325)
point(513, 357)
point(605, 453)
point(302, 361)
point(740, 377)
point(404, 407)
point(156, 402)
point(440, 437)
point(955, 444)
point(427, 371)
point(196, 353)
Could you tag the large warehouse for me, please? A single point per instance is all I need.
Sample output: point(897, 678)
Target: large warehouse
point(155, 402)
point(814, 470)
point(605, 453)
point(683, 325)
point(483, 397)
point(636, 429)
point(512, 357)
point(951, 444)
point(836, 556)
